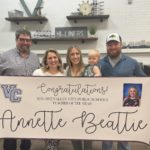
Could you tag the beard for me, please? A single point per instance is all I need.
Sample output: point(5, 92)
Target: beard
point(114, 55)
point(24, 49)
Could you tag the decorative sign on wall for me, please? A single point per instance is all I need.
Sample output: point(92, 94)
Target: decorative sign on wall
point(37, 9)
point(71, 32)
point(38, 34)
point(138, 44)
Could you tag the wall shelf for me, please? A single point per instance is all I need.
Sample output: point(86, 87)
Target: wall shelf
point(20, 19)
point(36, 40)
point(75, 18)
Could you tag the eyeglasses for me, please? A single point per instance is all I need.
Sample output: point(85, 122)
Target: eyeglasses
point(23, 40)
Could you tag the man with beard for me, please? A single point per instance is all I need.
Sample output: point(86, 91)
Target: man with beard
point(116, 64)
point(19, 62)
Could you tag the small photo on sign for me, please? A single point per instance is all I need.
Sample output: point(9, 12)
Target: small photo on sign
point(71, 32)
point(132, 94)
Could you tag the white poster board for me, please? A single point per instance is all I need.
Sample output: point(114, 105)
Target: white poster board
point(74, 108)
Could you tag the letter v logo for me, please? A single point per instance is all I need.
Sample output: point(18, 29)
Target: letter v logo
point(38, 5)
point(11, 92)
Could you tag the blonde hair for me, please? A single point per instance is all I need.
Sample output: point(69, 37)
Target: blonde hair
point(136, 91)
point(94, 52)
point(68, 60)
point(44, 60)
point(80, 65)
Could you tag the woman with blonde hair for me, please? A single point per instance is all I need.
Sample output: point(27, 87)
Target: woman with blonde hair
point(76, 68)
point(133, 98)
point(51, 66)
point(74, 61)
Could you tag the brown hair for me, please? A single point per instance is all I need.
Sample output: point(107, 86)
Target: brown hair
point(22, 31)
point(44, 60)
point(81, 64)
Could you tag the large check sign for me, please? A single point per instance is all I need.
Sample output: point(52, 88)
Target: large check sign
point(75, 108)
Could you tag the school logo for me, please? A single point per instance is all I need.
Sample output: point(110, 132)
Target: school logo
point(112, 36)
point(11, 92)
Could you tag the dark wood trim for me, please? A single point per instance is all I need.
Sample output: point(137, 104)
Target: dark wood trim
point(19, 19)
point(75, 18)
point(36, 40)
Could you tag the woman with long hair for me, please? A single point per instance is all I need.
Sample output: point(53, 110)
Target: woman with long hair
point(76, 68)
